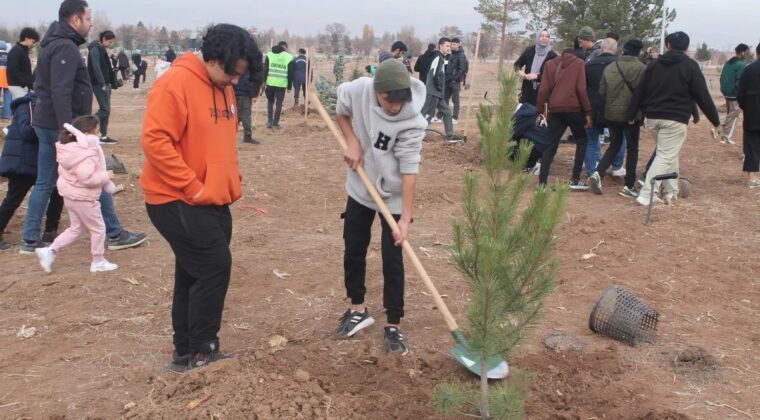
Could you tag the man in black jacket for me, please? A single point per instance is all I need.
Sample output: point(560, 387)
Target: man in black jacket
point(20, 76)
point(101, 75)
point(456, 75)
point(748, 96)
point(245, 91)
point(64, 93)
point(594, 71)
point(422, 65)
point(666, 94)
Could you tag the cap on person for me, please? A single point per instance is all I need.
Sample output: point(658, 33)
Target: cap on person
point(587, 33)
point(633, 47)
point(391, 75)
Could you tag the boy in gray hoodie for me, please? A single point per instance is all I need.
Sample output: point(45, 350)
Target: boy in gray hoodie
point(381, 121)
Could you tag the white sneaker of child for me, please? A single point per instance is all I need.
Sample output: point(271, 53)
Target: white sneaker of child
point(46, 256)
point(103, 265)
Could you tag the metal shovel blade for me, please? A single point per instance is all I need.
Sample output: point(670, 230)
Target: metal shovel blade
point(497, 367)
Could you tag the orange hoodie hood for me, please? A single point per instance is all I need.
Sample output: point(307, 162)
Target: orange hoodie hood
point(188, 138)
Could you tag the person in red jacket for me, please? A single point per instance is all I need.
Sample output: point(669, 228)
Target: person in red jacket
point(191, 176)
point(563, 102)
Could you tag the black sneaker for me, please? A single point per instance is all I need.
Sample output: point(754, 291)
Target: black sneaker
point(108, 140)
point(269, 124)
point(126, 240)
point(49, 236)
point(251, 140)
point(179, 363)
point(276, 126)
point(28, 247)
point(4, 245)
point(395, 342)
point(352, 322)
point(578, 185)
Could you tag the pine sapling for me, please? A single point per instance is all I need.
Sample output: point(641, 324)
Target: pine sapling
point(503, 247)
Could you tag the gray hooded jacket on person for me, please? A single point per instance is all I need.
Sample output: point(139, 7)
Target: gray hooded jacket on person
point(391, 145)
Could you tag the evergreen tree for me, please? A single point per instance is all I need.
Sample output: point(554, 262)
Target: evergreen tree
point(703, 53)
point(505, 255)
point(630, 19)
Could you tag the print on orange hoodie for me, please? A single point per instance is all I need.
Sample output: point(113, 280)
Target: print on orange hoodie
point(188, 138)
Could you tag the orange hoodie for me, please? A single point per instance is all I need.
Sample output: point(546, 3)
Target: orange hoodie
point(188, 138)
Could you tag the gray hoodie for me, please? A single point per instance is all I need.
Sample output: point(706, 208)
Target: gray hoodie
point(391, 144)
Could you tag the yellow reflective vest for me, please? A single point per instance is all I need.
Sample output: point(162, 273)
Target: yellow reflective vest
point(278, 69)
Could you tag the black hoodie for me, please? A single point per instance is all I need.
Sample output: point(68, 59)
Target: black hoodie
point(61, 80)
point(668, 89)
point(422, 66)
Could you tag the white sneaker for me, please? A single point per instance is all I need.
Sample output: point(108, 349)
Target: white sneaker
point(454, 121)
point(434, 120)
point(46, 256)
point(101, 266)
point(619, 172)
point(670, 198)
point(536, 169)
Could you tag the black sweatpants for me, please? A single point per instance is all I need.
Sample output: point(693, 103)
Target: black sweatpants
point(751, 151)
point(200, 239)
point(274, 94)
point(452, 94)
point(18, 187)
point(357, 230)
point(558, 123)
point(617, 133)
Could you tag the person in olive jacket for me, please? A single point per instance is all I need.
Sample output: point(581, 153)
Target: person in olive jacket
point(619, 81)
point(530, 66)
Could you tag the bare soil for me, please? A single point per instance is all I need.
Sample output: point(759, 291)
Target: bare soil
point(102, 341)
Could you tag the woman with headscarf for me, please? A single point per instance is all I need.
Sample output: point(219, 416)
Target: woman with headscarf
point(530, 66)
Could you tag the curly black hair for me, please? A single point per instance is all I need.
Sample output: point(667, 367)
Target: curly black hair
point(227, 44)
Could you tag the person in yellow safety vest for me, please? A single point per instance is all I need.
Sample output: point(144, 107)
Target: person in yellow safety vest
point(278, 73)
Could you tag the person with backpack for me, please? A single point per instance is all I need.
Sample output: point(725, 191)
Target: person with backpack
point(618, 84)
point(18, 163)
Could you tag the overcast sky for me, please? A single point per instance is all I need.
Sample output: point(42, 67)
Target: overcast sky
point(721, 27)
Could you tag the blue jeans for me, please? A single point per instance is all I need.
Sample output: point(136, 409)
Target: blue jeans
point(7, 99)
point(593, 149)
point(47, 176)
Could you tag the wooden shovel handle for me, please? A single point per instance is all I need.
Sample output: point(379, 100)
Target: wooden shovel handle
point(450, 322)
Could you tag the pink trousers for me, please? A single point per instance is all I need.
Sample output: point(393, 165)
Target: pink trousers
point(84, 216)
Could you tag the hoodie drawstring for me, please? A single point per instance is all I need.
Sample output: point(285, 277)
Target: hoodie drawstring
point(227, 112)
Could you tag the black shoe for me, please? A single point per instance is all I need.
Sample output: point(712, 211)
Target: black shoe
point(250, 140)
point(108, 140)
point(28, 247)
point(276, 126)
point(49, 236)
point(126, 240)
point(269, 124)
point(4, 245)
point(395, 342)
point(179, 363)
point(352, 322)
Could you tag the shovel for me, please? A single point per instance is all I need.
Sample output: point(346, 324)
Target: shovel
point(497, 367)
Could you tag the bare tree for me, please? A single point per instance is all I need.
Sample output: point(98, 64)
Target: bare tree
point(498, 15)
point(450, 32)
point(368, 40)
point(100, 23)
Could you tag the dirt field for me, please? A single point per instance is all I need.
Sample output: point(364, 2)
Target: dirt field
point(102, 341)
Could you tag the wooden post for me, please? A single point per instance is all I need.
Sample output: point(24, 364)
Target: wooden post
point(306, 85)
point(472, 86)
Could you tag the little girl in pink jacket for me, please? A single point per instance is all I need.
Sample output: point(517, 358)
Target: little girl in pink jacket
point(82, 177)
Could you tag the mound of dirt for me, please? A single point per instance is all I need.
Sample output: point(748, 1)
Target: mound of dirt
point(695, 362)
point(345, 379)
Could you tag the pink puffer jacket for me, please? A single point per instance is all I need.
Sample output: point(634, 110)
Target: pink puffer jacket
point(82, 171)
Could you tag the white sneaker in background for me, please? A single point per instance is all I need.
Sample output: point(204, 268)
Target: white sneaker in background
point(454, 121)
point(101, 266)
point(619, 172)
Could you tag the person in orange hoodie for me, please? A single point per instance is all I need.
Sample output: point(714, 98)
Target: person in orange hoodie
point(191, 176)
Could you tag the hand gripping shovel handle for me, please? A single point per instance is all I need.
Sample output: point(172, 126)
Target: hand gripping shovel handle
point(450, 322)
